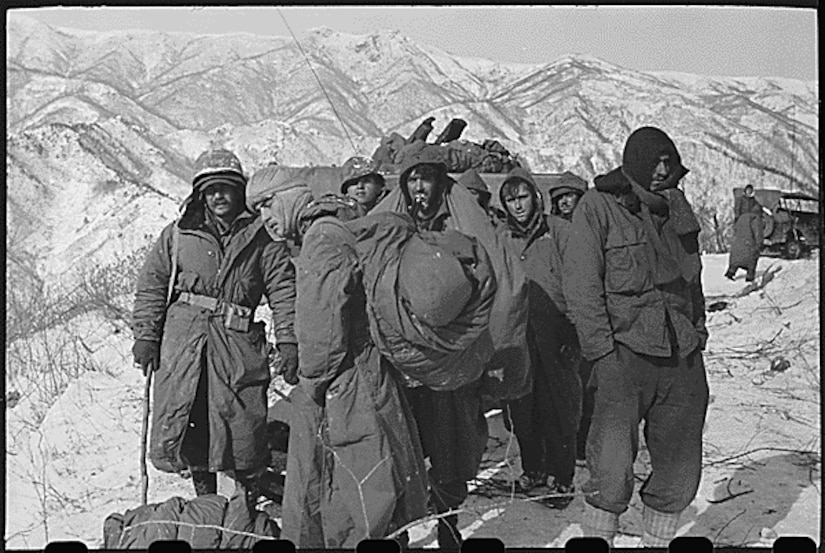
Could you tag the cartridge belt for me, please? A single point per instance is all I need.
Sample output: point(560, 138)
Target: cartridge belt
point(236, 317)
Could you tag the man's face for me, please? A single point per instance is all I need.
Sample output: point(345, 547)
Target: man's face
point(520, 203)
point(567, 203)
point(664, 166)
point(222, 200)
point(423, 192)
point(272, 214)
point(365, 191)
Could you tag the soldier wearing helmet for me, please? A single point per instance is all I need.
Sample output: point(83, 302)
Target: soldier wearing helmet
point(193, 325)
point(565, 196)
point(363, 182)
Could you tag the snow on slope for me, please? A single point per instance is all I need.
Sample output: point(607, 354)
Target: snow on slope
point(90, 438)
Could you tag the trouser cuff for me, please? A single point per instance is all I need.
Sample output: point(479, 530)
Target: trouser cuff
point(598, 523)
point(659, 528)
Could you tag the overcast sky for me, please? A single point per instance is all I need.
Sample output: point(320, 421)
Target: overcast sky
point(734, 41)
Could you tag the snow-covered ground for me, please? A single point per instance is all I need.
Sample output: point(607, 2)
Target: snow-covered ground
point(66, 473)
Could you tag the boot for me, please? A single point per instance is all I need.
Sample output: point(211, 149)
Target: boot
point(422, 131)
point(448, 535)
point(530, 480)
point(658, 528)
point(451, 132)
point(205, 482)
point(559, 502)
point(598, 523)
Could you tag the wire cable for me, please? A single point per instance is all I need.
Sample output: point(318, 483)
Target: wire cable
point(320, 84)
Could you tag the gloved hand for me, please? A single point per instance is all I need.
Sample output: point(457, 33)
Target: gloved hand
point(289, 362)
point(146, 354)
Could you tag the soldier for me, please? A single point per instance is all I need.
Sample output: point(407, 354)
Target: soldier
point(546, 420)
point(748, 235)
point(633, 284)
point(209, 358)
point(473, 182)
point(363, 182)
point(355, 468)
point(564, 198)
point(451, 424)
point(566, 195)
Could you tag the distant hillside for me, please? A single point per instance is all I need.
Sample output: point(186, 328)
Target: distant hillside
point(102, 127)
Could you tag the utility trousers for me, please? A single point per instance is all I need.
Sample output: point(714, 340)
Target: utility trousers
point(453, 433)
point(671, 397)
point(547, 447)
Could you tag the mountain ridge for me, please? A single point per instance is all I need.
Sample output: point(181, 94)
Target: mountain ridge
point(119, 117)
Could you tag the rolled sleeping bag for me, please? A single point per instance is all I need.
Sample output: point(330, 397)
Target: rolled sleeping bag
point(429, 299)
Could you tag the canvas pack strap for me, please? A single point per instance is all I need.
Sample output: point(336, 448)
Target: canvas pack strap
point(174, 260)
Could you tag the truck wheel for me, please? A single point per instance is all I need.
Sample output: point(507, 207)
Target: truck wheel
point(794, 249)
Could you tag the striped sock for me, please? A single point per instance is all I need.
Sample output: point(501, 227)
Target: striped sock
point(659, 527)
point(598, 523)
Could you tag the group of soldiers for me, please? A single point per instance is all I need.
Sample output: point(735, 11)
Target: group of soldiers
point(406, 315)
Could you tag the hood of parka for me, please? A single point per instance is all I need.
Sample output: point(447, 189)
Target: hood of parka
point(280, 194)
point(425, 157)
point(521, 175)
point(641, 154)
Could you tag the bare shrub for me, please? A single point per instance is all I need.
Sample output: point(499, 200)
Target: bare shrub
point(31, 307)
point(109, 289)
point(715, 216)
point(45, 348)
point(40, 367)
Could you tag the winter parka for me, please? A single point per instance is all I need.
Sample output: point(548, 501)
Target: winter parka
point(355, 466)
point(747, 240)
point(195, 343)
point(618, 289)
point(541, 245)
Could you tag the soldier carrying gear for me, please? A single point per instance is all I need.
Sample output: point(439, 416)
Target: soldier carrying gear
point(348, 416)
point(451, 423)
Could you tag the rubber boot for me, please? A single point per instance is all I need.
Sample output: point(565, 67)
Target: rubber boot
point(598, 523)
point(205, 482)
point(422, 131)
point(451, 132)
point(658, 528)
point(448, 535)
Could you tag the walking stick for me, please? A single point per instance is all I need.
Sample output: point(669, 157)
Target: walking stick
point(144, 475)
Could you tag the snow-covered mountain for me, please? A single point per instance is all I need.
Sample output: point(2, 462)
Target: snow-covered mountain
point(102, 128)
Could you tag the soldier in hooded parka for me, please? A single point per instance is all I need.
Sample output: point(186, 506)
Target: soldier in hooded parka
point(545, 421)
point(210, 363)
